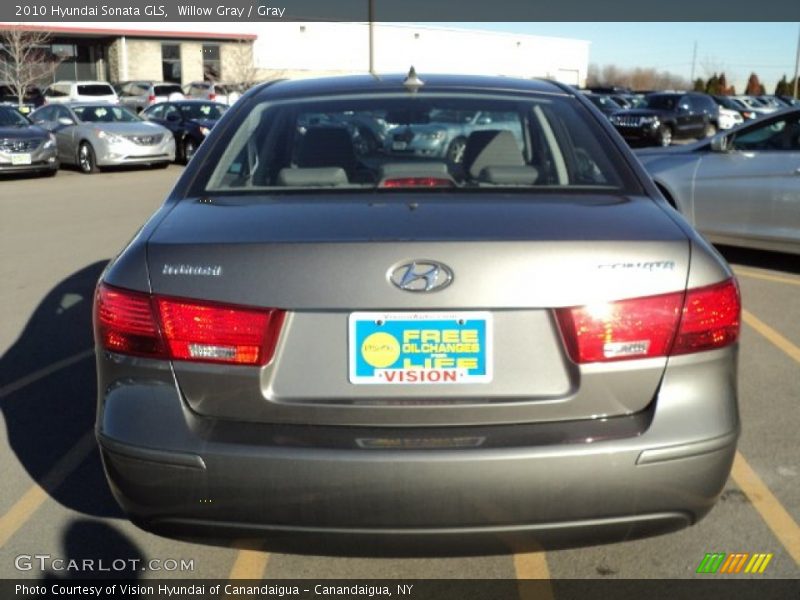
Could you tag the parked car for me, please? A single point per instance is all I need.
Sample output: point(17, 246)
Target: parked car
point(444, 132)
point(607, 105)
point(80, 91)
point(668, 116)
point(528, 346)
point(752, 104)
point(96, 135)
point(138, 95)
point(732, 103)
point(226, 93)
point(728, 118)
point(24, 147)
point(741, 187)
point(31, 100)
point(190, 121)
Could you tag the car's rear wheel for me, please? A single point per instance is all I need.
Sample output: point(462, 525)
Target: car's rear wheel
point(455, 151)
point(87, 161)
point(664, 137)
point(188, 148)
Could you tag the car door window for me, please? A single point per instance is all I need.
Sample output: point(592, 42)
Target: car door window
point(45, 114)
point(169, 111)
point(780, 134)
point(157, 112)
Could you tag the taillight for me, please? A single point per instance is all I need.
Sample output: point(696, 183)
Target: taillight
point(124, 322)
point(711, 318)
point(417, 182)
point(135, 323)
point(151, 98)
point(676, 323)
point(212, 96)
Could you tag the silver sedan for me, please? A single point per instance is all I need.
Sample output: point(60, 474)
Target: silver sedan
point(95, 135)
point(741, 187)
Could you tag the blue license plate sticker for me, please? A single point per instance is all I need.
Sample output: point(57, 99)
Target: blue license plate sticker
point(420, 348)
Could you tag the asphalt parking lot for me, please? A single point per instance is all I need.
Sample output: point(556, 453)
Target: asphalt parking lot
point(56, 235)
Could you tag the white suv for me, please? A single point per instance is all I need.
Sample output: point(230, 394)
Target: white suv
point(87, 91)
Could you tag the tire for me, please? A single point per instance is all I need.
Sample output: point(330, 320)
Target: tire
point(664, 137)
point(455, 151)
point(87, 161)
point(188, 149)
point(709, 131)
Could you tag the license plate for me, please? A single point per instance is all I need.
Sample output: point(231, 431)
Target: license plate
point(420, 348)
point(20, 159)
point(399, 145)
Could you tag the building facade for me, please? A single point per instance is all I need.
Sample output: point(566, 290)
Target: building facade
point(184, 52)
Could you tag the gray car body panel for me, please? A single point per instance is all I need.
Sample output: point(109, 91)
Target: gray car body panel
point(738, 197)
point(651, 441)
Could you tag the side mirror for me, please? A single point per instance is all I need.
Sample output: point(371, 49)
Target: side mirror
point(65, 121)
point(720, 143)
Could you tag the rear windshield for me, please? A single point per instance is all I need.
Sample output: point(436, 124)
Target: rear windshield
point(405, 141)
point(204, 110)
point(95, 90)
point(166, 90)
point(104, 113)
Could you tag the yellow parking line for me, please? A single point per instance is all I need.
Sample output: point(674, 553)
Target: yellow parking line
point(22, 382)
point(250, 563)
point(533, 565)
point(779, 521)
point(765, 276)
point(24, 508)
point(777, 518)
point(773, 336)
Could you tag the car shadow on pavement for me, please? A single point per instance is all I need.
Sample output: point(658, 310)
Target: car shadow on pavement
point(93, 550)
point(761, 259)
point(48, 393)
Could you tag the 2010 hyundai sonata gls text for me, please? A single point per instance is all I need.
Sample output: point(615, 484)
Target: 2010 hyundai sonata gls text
point(319, 333)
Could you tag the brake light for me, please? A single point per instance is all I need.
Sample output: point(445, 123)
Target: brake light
point(124, 322)
point(151, 98)
point(135, 323)
point(212, 96)
point(701, 319)
point(423, 182)
point(711, 318)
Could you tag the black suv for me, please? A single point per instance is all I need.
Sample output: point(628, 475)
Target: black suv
point(667, 116)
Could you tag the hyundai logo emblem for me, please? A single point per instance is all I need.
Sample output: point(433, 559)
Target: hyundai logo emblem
point(421, 276)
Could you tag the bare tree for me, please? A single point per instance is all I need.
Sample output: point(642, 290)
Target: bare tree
point(637, 78)
point(25, 59)
point(240, 66)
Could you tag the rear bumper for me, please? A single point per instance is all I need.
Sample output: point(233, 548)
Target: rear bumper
point(177, 473)
point(454, 500)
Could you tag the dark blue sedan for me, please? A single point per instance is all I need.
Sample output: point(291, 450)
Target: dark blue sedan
point(188, 120)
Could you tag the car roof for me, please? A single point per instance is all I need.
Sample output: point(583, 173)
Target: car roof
point(81, 82)
point(394, 83)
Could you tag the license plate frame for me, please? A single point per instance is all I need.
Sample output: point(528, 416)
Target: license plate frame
point(440, 348)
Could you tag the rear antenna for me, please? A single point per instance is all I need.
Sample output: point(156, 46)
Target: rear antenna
point(412, 83)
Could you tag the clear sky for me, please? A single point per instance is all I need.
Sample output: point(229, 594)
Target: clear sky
point(737, 49)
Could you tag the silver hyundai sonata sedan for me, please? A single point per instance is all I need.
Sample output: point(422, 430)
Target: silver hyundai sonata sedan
point(317, 339)
point(99, 134)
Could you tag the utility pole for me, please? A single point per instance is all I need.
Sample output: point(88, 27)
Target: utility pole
point(694, 62)
point(371, 16)
point(796, 65)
